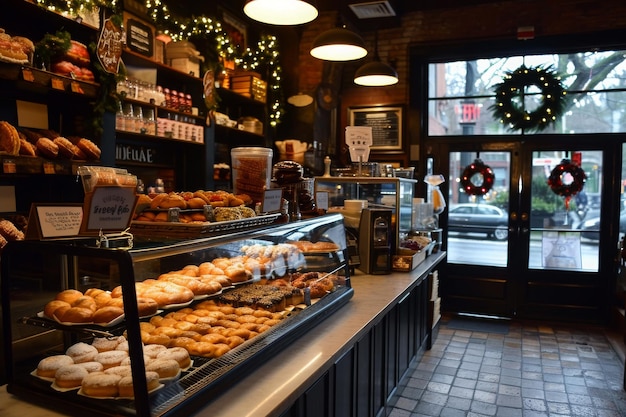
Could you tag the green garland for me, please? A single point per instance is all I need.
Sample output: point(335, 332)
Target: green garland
point(512, 90)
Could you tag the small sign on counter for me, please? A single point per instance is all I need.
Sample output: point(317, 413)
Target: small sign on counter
point(54, 221)
point(109, 208)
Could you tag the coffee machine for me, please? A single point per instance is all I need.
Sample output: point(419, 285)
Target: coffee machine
point(375, 241)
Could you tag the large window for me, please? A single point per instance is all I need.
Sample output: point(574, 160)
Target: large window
point(461, 93)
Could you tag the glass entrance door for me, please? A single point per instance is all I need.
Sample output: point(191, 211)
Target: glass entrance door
point(525, 248)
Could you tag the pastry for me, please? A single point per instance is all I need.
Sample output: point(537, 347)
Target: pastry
point(69, 296)
point(47, 148)
point(166, 368)
point(70, 376)
point(82, 352)
point(99, 384)
point(27, 148)
point(76, 315)
point(92, 366)
point(105, 344)
point(107, 314)
point(89, 148)
point(9, 138)
point(179, 354)
point(47, 367)
point(111, 358)
point(52, 306)
point(78, 53)
point(66, 148)
point(127, 390)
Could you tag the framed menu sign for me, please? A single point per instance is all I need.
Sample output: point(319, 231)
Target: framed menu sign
point(386, 124)
point(139, 36)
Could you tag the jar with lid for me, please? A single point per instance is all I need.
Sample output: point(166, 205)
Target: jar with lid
point(167, 97)
point(182, 103)
point(173, 103)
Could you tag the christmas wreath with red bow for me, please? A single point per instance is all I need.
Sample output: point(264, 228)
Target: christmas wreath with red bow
point(473, 170)
point(559, 187)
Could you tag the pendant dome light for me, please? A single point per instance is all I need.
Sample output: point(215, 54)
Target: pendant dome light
point(281, 12)
point(338, 44)
point(376, 73)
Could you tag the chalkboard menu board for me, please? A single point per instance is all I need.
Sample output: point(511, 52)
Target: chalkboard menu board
point(386, 124)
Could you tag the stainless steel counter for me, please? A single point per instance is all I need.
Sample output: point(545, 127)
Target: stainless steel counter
point(270, 389)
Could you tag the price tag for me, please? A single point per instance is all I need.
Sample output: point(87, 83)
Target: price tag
point(57, 84)
point(109, 208)
point(76, 88)
point(50, 221)
point(28, 75)
point(48, 168)
point(271, 200)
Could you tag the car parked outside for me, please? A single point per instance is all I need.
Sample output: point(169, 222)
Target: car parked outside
point(591, 228)
point(479, 218)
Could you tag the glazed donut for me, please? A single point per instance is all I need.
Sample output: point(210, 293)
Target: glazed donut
point(9, 139)
point(53, 305)
point(47, 148)
point(69, 296)
point(70, 376)
point(111, 358)
point(127, 390)
point(166, 368)
point(89, 148)
point(48, 367)
point(76, 315)
point(99, 384)
point(179, 354)
point(82, 352)
point(92, 366)
point(85, 302)
point(107, 314)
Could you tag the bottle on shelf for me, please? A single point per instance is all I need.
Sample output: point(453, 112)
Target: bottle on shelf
point(120, 118)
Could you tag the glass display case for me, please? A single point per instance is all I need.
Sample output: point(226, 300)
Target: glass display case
point(380, 192)
point(290, 277)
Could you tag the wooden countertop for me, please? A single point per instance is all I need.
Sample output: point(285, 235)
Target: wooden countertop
point(270, 389)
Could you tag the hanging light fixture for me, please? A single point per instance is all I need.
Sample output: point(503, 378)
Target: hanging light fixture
point(376, 73)
point(338, 44)
point(281, 12)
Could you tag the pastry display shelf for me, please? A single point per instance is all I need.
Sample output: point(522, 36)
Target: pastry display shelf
point(27, 77)
point(25, 342)
point(13, 165)
point(140, 137)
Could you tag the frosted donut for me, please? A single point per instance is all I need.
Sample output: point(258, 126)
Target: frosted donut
point(81, 352)
point(111, 358)
point(166, 368)
point(70, 376)
point(105, 344)
point(179, 354)
point(99, 384)
point(121, 370)
point(47, 367)
point(69, 296)
point(127, 390)
point(127, 361)
point(153, 351)
point(92, 366)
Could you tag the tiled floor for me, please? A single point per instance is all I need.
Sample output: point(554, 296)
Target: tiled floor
point(532, 371)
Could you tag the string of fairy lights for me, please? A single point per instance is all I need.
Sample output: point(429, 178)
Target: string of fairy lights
point(264, 56)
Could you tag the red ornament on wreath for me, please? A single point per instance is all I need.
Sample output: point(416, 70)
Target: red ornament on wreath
point(567, 179)
point(477, 178)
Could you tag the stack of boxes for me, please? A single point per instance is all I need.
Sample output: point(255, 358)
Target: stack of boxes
point(249, 84)
point(435, 299)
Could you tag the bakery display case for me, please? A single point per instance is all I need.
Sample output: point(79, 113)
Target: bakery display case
point(275, 284)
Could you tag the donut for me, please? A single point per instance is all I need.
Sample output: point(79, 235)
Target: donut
point(121, 370)
point(70, 376)
point(47, 148)
point(53, 305)
point(152, 351)
point(179, 354)
point(69, 296)
point(92, 366)
point(146, 306)
point(107, 314)
point(89, 148)
point(105, 344)
point(111, 358)
point(82, 352)
point(99, 384)
point(76, 315)
point(127, 390)
point(47, 367)
point(166, 368)
point(85, 302)
point(127, 361)
point(9, 139)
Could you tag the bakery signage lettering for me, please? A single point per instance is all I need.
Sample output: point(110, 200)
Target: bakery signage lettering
point(134, 154)
point(110, 47)
point(139, 37)
point(110, 208)
point(59, 221)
